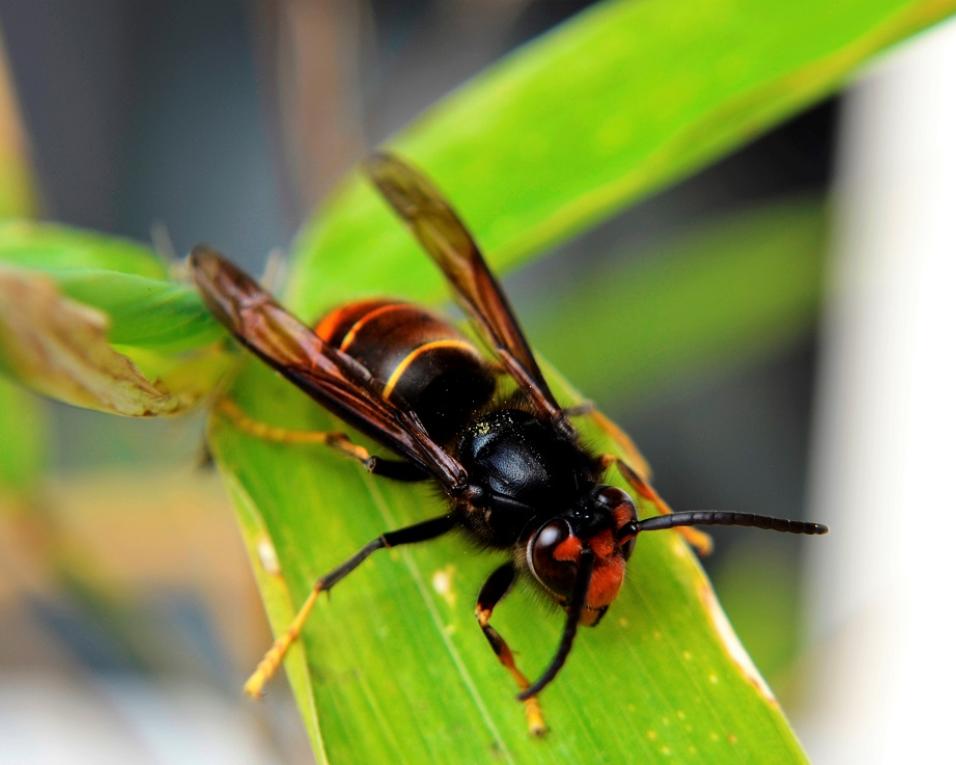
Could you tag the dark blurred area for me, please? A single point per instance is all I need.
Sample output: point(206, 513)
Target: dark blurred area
point(227, 122)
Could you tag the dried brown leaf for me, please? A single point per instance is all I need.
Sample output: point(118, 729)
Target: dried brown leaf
point(59, 347)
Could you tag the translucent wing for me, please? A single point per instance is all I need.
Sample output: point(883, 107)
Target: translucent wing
point(332, 378)
point(440, 231)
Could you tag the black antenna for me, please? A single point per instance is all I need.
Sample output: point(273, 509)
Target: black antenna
point(721, 518)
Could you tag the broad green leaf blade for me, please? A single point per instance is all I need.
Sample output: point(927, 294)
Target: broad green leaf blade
point(98, 322)
point(53, 248)
point(279, 604)
point(397, 668)
point(717, 296)
point(144, 313)
point(608, 107)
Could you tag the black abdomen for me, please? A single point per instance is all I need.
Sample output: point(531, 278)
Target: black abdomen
point(420, 359)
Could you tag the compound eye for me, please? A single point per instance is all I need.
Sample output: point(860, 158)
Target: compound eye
point(621, 508)
point(612, 497)
point(618, 503)
point(552, 557)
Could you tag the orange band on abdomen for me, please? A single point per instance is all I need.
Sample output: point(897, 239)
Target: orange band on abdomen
point(373, 314)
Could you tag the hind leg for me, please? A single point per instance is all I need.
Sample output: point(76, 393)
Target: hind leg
point(397, 470)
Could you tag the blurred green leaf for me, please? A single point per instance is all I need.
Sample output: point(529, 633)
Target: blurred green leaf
point(398, 671)
point(144, 313)
point(23, 430)
point(716, 296)
point(617, 102)
point(55, 249)
point(96, 321)
point(122, 278)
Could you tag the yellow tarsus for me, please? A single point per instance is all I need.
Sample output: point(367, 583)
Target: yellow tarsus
point(273, 659)
point(228, 408)
point(532, 707)
point(532, 712)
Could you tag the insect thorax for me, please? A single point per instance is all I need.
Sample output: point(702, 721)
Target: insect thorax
point(528, 471)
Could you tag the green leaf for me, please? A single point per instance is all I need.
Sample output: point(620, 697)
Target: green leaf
point(396, 668)
point(726, 292)
point(144, 313)
point(56, 249)
point(23, 430)
point(122, 278)
point(618, 102)
point(98, 322)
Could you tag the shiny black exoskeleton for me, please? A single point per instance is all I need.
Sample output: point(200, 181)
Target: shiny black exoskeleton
point(525, 470)
point(514, 474)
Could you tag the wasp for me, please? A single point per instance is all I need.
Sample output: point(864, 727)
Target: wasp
point(512, 468)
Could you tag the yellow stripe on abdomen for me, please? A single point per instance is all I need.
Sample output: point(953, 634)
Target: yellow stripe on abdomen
point(373, 314)
point(406, 362)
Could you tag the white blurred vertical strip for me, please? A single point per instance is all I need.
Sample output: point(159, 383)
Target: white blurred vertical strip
point(882, 679)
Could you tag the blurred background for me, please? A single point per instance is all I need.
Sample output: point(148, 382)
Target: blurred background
point(129, 615)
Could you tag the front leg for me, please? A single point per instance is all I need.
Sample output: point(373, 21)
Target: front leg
point(494, 589)
point(636, 471)
point(624, 441)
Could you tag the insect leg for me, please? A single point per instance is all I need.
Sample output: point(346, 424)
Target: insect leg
point(579, 410)
point(493, 590)
point(636, 471)
point(419, 532)
point(605, 423)
point(397, 470)
point(574, 608)
point(695, 537)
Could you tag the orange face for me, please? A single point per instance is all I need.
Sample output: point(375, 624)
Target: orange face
point(553, 554)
